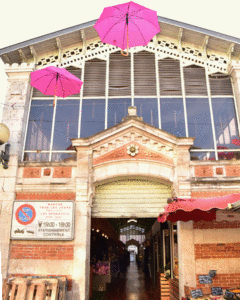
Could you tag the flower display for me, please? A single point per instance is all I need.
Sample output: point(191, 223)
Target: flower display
point(101, 268)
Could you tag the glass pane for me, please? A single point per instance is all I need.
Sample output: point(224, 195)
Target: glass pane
point(202, 155)
point(93, 117)
point(66, 124)
point(36, 156)
point(172, 116)
point(225, 123)
point(64, 157)
point(199, 122)
point(148, 109)
point(117, 109)
point(39, 125)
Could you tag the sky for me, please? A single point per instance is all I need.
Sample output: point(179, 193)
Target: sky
point(27, 19)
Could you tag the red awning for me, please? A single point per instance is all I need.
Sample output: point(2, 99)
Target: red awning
point(196, 209)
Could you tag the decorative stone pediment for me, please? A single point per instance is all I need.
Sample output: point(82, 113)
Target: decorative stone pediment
point(114, 143)
point(133, 148)
point(136, 151)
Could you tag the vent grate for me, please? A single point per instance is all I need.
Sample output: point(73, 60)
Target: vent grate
point(144, 74)
point(169, 77)
point(195, 81)
point(119, 75)
point(220, 85)
point(94, 78)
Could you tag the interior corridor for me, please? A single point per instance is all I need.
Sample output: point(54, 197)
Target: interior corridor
point(133, 285)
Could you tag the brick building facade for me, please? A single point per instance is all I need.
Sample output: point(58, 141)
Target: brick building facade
point(183, 83)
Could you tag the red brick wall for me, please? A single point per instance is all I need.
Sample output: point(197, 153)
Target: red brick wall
point(221, 250)
point(45, 196)
point(208, 171)
point(32, 172)
point(205, 194)
point(58, 172)
point(224, 281)
point(215, 225)
point(41, 251)
point(203, 171)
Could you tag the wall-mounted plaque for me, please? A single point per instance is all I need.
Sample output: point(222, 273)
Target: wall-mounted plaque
point(205, 279)
point(217, 291)
point(212, 273)
point(229, 294)
point(43, 220)
point(196, 293)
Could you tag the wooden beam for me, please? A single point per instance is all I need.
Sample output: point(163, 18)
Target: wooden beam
point(83, 37)
point(60, 49)
point(6, 58)
point(204, 46)
point(230, 51)
point(34, 54)
point(22, 55)
point(180, 33)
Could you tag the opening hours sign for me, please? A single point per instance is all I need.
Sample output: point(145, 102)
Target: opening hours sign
point(43, 220)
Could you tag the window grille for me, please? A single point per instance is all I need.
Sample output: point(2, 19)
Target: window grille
point(169, 77)
point(144, 74)
point(119, 75)
point(220, 85)
point(94, 78)
point(195, 81)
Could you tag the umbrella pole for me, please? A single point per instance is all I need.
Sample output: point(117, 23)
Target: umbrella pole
point(126, 54)
point(54, 101)
point(55, 96)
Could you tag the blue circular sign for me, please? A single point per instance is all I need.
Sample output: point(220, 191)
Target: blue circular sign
point(25, 214)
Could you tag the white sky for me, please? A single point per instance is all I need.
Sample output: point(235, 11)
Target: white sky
point(26, 19)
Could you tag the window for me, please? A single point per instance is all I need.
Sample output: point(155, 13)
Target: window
point(182, 100)
point(147, 108)
point(93, 117)
point(117, 109)
point(199, 122)
point(172, 116)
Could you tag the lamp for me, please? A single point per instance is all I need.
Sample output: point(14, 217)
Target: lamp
point(4, 136)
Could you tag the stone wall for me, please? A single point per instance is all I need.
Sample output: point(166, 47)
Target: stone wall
point(14, 116)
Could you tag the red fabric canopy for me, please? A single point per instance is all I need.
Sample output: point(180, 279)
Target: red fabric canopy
point(196, 209)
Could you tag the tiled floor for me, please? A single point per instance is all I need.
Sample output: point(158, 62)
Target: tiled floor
point(133, 286)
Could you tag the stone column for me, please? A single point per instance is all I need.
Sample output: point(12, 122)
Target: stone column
point(14, 116)
point(182, 178)
point(234, 71)
point(81, 263)
point(186, 256)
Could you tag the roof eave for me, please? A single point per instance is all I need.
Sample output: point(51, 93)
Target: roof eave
point(91, 23)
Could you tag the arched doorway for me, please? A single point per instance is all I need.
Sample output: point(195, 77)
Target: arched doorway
point(124, 210)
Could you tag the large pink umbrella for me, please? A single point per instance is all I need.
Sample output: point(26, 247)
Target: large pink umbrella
point(55, 82)
point(127, 25)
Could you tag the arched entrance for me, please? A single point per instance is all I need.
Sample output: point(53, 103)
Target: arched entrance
point(130, 197)
point(123, 211)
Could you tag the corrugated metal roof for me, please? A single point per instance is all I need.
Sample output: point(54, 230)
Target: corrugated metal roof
point(72, 35)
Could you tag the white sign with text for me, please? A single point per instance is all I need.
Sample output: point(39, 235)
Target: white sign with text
point(43, 220)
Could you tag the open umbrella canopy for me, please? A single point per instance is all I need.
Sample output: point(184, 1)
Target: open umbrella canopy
point(127, 25)
point(196, 209)
point(55, 82)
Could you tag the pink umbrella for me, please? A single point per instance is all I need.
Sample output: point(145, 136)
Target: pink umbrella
point(55, 81)
point(127, 25)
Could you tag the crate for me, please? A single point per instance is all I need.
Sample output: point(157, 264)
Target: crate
point(164, 287)
point(30, 288)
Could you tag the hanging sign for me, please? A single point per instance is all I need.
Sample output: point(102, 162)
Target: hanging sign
point(43, 220)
